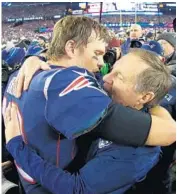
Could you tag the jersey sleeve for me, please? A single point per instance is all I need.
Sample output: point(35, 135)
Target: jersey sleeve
point(102, 174)
point(124, 125)
point(75, 103)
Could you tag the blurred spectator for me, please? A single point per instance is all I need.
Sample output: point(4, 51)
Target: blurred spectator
point(135, 34)
point(149, 36)
point(168, 42)
point(14, 56)
point(155, 47)
point(135, 31)
point(42, 41)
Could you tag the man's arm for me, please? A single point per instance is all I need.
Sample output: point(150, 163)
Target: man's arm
point(102, 174)
point(123, 125)
point(27, 71)
point(135, 127)
point(163, 128)
point(128, 126)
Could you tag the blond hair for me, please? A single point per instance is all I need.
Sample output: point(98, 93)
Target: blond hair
point(76, 28)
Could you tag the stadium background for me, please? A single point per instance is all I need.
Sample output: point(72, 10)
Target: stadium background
point(27, 20)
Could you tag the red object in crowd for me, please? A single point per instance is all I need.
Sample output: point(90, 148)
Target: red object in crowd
point(114, 43)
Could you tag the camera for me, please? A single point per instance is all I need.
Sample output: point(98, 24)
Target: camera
point(110, 57)
point(135, 44)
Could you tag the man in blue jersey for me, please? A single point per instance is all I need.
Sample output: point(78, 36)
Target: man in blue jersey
point(65, 88)
point(66, 101)
point(123, 166)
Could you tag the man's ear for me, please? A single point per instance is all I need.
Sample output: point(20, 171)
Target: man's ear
point(146, 98)
point(163, 59)
point(69, 48)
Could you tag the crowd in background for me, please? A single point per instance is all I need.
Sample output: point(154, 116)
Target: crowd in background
point(32, 11)
point(131, 19)
point(27, 29)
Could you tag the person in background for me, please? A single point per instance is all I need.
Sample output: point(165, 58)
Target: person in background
point(169, 101)
point(149, 36)
point(135, 34)
point(165, 184)
point(168, 43)
point(155, 47)
point(42, 41)
point(159, 179)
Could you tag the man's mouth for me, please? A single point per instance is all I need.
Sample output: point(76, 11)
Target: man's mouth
point(99, 66)
point(108, 88)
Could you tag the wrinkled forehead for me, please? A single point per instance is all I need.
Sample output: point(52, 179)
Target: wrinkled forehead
point(130, 63)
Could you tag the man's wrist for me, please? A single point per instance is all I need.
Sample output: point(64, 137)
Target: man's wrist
point(12, 141)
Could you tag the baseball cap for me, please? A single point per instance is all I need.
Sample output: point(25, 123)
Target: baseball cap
point(153, 46)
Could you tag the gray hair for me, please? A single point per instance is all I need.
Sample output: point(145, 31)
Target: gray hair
point(156, 78)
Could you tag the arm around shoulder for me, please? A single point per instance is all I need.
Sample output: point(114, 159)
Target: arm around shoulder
point(163, 128)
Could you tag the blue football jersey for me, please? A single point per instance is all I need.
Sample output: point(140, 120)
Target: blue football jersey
point(60, 105)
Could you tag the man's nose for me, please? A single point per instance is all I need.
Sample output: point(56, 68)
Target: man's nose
point(100, 61)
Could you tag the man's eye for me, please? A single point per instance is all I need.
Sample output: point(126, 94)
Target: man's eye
point(95, 57)
point(119, 76)
point(98, 54)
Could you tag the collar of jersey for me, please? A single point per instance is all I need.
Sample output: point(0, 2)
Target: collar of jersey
point(56, 66)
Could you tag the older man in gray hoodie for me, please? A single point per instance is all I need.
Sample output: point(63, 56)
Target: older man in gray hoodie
point(168, 42)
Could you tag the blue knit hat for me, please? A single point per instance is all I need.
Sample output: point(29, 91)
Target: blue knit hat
point(15, 56)
point(153, 46)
